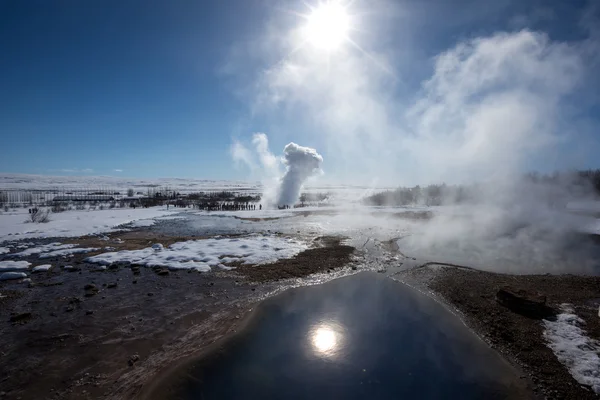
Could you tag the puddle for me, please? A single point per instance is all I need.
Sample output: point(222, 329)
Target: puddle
point(358, 337)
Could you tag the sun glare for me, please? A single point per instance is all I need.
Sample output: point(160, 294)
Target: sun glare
point(327, 26)
point(324, 339)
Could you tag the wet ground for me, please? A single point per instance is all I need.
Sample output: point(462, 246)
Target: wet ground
point(359, 337)
point(61, 341)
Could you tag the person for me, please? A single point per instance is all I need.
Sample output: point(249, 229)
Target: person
point(260, 207)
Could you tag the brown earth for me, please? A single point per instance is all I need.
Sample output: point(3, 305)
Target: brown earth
point(330, 256)
point(473, 294)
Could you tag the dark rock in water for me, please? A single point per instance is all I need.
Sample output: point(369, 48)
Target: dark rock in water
point(150, 294)
point(354, 268)
point(90, 286)
point(529, 304)
point(162, 272)
point(21, 317)
point(112, 285)
point(89, 312)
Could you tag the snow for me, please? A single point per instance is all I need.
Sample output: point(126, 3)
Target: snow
point(204, 254)
point(42, 268)
point(46, 248)
point(7, 276)
point(68, 252)
point(142, 223)
point(75, 222)
point(573, 348)
point(6, 266)
point(4, 250)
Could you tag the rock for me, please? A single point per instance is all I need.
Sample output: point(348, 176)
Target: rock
point(158, 247)
point(526, 303)
point(134, 282)
point(21, 317)
point(163, 272)
point(354, 268)
point(112, 285)
point(150, 294)
point(8, 276)
point(133, 359)
point(89, 312)
point(91, 290)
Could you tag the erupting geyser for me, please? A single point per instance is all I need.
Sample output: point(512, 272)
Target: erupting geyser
point(301, 162)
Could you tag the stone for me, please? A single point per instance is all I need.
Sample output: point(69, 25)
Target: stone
point(111, 285)
point(20, 317)
point(133, 359)
point(527, 303)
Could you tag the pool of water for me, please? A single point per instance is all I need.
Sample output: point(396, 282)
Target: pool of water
point(360, 337)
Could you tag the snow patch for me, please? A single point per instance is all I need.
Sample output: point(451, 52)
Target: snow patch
point(202, 255)
point(573, 348)
point(7, 266)
point(8, 276)
point(42, 268)
point(43, 249)
point(68, 252)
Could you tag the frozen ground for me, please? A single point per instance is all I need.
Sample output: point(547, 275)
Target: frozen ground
point(14, 225)
point(517, 240)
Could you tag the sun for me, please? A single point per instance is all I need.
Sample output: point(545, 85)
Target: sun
point(327, 26)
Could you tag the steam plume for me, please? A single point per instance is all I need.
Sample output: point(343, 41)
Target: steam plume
point(301, 162)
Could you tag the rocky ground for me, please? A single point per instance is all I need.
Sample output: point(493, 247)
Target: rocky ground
point(88, 333)
point(513, 332)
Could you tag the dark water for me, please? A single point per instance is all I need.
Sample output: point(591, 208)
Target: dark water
point(360, 337)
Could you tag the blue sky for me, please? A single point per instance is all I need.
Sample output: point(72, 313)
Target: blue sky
point(163, 88)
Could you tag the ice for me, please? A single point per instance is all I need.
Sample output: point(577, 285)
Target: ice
point(7, 266)
point(42, 268)
point(573, 348)
point(205, 254)
point(7, 276)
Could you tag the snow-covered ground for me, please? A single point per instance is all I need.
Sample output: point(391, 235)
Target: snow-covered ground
point(574, 348)
point(14, 225)
point(202, 255)
point(7, 266)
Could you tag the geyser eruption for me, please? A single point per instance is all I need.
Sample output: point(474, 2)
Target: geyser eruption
point(301, 162)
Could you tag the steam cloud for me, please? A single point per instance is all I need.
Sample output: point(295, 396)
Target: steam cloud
point(302, 162)
point(279, 188)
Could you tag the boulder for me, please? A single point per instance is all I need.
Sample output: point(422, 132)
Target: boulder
point(527, 303)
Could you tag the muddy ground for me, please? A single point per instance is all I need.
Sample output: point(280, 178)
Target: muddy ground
point(94, 333)
point(520, 338)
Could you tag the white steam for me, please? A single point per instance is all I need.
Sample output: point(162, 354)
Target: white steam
point(301, 162)
point(280, 188)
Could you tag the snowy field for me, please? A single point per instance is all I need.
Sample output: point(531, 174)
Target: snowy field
point(14, 225)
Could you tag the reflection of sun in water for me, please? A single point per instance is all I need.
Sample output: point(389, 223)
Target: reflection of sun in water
point(327, 26)
point(324, 339)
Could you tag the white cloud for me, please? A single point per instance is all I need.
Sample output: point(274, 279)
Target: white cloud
point(118, 170)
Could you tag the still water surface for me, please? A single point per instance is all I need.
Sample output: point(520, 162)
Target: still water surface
point(359, 337)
